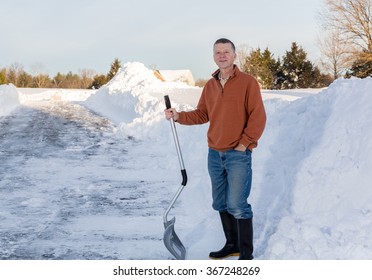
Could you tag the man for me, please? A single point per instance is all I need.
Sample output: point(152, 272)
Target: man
point(231, 101)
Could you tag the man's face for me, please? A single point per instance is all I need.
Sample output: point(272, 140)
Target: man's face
point(224, 55)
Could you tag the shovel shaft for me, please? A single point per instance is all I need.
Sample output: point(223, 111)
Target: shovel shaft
point(165, 215)
point(180, 159)
point(177, 143)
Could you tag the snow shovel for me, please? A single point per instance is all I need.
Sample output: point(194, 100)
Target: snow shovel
point(171, 240)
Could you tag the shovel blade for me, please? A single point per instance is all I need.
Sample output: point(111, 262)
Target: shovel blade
point(172, 242)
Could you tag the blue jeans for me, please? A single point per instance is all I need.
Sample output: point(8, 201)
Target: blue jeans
point(231, 177)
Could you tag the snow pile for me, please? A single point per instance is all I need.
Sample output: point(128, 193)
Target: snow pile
point(9, 99)
point(133, 98)
point(314, 198)
point(310, 194)
point(124, 98)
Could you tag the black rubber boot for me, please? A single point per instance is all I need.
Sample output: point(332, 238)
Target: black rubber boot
point(230, 229)
point(245, 229)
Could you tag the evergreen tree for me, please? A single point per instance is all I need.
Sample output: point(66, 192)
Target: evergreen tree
point(279, 75)
point(115, 67)
point(98, 81)
point(298, 71)
point(271, 68)
point(70, 80)
point(361, 67)
point(58, 79)
point(262, 66)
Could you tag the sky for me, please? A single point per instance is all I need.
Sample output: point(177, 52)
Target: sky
point(49, 36)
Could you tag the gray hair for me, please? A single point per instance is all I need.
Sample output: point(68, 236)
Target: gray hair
point(225, 41)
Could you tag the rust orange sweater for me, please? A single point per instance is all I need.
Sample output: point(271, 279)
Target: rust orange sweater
point(236, 112)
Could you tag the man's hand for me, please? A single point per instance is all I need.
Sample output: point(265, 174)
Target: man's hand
point(240, 148)
point(171, 113)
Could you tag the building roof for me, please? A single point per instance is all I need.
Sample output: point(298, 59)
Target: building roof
point(184, 76)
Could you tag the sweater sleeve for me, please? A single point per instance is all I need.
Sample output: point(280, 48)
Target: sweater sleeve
point(197, 116)
point(256, 117)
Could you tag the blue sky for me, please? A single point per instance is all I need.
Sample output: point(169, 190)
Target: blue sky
point(63, 36)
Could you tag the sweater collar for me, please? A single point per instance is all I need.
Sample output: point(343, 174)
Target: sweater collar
point(234, 73)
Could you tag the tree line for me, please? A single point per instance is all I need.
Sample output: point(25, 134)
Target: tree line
point(294, 70)
point(86, 79)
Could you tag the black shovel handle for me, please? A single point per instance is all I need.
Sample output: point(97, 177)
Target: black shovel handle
point(167, 102)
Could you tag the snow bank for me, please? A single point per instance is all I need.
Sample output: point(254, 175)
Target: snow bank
point(315, 200)
point(311, 185)
point(134, 100)
point(9, 99)
point(289, 94)
point(55, 94)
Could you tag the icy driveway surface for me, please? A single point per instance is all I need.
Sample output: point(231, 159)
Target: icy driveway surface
point(69, 189)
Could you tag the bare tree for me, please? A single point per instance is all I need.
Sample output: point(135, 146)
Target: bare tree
point(242, 53)
point(346, 42)
point(335, 57)
point(41, 78)
point(14, 72)
point(353, 20)
point(87, 76)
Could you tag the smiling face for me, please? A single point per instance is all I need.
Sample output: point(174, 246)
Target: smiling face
point(224, 55)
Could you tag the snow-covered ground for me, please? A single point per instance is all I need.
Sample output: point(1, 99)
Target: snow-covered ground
point(96, 187)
